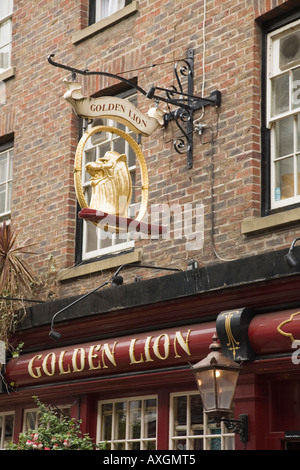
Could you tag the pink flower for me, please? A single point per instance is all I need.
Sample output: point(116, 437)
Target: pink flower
point(46, 448)
point(29, 442)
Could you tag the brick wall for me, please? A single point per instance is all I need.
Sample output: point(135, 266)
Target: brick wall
point(226, 175)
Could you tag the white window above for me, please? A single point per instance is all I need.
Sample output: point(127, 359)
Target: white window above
point(6, 176)
point(6, 11)
point(95, 241)
point(283, 114)
point(106, 8)
point(100, 9)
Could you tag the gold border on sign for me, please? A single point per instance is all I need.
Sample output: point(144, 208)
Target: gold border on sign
point(285, 322)
point(140, 157)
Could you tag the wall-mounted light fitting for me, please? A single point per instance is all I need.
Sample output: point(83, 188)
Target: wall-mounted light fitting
point(216, 377)
point(116, 280)
point(290, 258)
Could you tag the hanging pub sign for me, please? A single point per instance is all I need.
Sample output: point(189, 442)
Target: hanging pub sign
point(110, 177)
point(111, 107)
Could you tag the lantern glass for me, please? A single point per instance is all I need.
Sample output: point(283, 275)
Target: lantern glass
point(206, 385)
point(217, 387)
point(226, 381)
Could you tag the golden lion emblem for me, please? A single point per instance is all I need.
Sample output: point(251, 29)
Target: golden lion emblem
point(111, 184)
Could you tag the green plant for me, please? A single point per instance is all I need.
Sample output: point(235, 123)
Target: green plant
point(16, 281)
point(55, 432)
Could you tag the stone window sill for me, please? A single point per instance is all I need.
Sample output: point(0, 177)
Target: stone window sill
point(255, 225)
point(105, 23)
point(9, 73)
point(108, 263)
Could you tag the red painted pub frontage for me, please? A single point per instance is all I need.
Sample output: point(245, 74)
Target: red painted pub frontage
point(126, 356)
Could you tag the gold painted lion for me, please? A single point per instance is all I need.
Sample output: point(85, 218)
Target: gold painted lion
point(111, 184)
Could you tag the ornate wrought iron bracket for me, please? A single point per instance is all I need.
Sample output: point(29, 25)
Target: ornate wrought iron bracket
point(186, 103)
point(239, 427)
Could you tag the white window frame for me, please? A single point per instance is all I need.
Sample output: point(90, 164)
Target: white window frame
point(277, 198)
point(6, 182)
point(7, 18)
point(35, 411)
point(187, 430)
point(111, 243)
point(128, 440)
point(3, 417)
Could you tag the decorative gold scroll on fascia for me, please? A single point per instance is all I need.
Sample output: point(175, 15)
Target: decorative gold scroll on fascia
point(111, 107)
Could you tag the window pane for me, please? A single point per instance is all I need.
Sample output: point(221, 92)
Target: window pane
point(90, 156)
point(5, 57)
point(179, 444)
point(196, 444)
point(180, 416)
point(150, 445)
point(5, 33)
point(106, 422)
point(30, 420)
point(120, 429)
point(134, 446)
point(119, 146)
point(135, 420)
point(3, 167)
point(296, 89)
point(285, 137)
point(91, 237)
point(9, 192)
point(129, 417)
point(6, 8)
point(214, 443)
point(98, 136)
point(150, 418)
point(1, 429)
point(108, 7)
point(9, 425)
point(281, 93)
point(2, 198)
point(196, 415)
point(298, 174)
point(284, 170)
point(298, 133)
point(10, 172)
point(228, 443)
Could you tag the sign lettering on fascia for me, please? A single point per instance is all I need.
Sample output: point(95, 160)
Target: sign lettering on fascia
point(104, 358)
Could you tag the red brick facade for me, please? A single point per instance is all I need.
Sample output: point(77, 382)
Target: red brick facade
point(226, 175)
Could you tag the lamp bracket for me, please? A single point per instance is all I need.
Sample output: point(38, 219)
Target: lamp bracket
point(186, 103)
point(239, 426)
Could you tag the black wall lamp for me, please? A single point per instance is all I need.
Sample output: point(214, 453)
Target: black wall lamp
point(216, 377)
point(116, 280)
point(290, 258)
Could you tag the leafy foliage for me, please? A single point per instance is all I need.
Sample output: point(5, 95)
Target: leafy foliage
point(55, 432)
point(16, 280)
